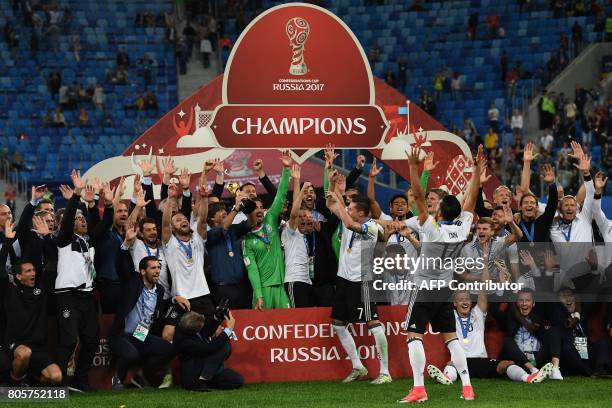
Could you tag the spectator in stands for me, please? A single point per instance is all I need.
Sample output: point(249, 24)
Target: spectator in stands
point(58, 119)
point(516, 123)
point(146, 69)
point(493, 23)
point(11, 38)
point(83, 118)
point(190, 34)
point(18, 163)
point(473, 26)
point(54, 82)
point(547, 111)
point(455, 86)
point(10, 198)
point(121, 76)
point(511, 78)
point(493, 115)
point(606, 157)
point(224, 42)
point(402, 72)
point(123, 60)
point(503, 63)
point(34, 43)
point(570, 110)
point(552, 66)
point(75, 43)
point(182, 53)
point(576, 39)
point(491, 140)
point(98, 96)
point(53, 33)
point(390, 78)
point(558, 7)
point(205, 51)
point(547, 141)
point(470, 133)
point(374, 55)
point(150, 101)
point(438, 85)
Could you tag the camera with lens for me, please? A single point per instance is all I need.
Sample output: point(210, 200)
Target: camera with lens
point(222, 310)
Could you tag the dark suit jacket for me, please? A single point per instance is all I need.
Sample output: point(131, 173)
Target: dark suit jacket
point(131, 288)
point(193, 351)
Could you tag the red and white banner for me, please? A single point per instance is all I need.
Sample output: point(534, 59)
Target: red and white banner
point(300, 345)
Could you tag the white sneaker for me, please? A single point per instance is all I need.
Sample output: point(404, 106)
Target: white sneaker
point(542, 374)
point(435, 373)
point(382, 379)
point(356, 374)
point(555, 374)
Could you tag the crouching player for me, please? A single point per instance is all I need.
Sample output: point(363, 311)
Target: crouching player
point(470, 323)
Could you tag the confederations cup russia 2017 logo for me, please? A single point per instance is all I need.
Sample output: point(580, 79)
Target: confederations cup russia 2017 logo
point(297, 31)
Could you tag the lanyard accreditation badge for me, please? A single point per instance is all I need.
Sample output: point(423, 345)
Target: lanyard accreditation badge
point(581, 342)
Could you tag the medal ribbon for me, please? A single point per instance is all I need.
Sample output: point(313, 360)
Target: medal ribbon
point(567, 236)
point(465, 328)
point(531, 232)
point(187, 248)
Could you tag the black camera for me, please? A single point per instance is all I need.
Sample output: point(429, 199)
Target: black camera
point(222, 310)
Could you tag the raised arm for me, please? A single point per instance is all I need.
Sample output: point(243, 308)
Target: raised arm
point(551, 205)
point(417, 189)
point(110, 203)
point(469, 204)
point(279, 199)
point(66, 230)
point(124, 263)
point(7, 252)
point(263, 178)
point(529, 156)
point(353, 176)
point(297, 203)
point(516, 233)
point(170, 205)
point(374, 171)
point(203, 208)
point(603, 223)
point(584, 167)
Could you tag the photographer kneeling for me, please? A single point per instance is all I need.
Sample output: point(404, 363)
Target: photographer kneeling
point(202, 357)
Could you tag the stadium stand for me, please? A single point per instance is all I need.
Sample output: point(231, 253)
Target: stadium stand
point(102, 29)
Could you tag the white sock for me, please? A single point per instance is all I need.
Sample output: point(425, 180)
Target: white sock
point(532, 370)
point(416, 355)
point(383, 349)
point(459, 360)
point(516, 373)
point(349, 345)
point(451, 372)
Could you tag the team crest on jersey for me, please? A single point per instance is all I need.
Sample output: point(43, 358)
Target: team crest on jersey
point(174, 314)
point(66, 313)
point(36, 291)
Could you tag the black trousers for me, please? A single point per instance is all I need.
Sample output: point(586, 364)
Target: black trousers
point(110, 293)
point(323, 295)
point(5, 366)
point(574, 365)
point(214, 362)
point(550, 347)
point(238, 294)
point(300, 294)
point(77, 315)
point(226, 379)
point(154, 353)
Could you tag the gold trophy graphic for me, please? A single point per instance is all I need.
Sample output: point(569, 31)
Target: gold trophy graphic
point(232, 187)
point(297, 31)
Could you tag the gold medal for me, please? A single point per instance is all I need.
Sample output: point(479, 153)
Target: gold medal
point(189, 261)
point(349, 250)
point(231, 254)
point(465, 341)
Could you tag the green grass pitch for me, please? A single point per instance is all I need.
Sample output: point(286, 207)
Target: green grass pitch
point(572, 392)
